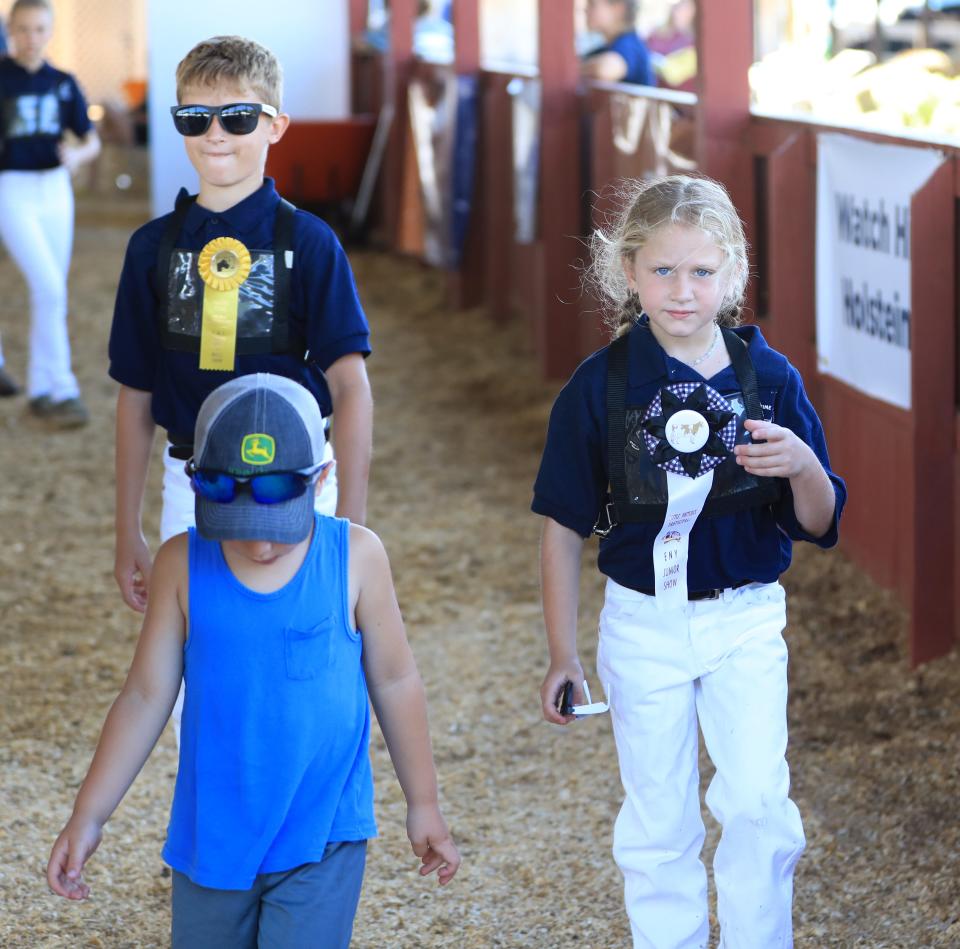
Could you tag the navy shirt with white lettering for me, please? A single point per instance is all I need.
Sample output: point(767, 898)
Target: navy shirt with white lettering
point(754, 544)
point(36, 108)
point(324, 310)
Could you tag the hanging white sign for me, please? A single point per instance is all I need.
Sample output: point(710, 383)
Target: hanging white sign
point(863, 261)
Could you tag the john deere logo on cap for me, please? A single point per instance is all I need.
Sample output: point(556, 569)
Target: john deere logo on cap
point(258, 449)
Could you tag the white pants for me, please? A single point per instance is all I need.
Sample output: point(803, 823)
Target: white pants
point(177, 515)
point(723, 663)
point(36, 225)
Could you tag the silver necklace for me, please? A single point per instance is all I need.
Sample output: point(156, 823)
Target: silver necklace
point(713, 346)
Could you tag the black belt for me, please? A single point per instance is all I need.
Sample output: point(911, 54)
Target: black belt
point(714, 594)
point(181, 446)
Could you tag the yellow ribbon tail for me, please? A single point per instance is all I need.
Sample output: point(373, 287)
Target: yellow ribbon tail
point(218, 332)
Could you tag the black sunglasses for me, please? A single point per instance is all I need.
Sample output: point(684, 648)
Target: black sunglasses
point(236, 118)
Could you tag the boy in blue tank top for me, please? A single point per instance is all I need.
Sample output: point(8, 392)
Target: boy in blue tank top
point(280, 621)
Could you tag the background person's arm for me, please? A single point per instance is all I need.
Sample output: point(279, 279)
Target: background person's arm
point(134, 441)
point(352, 434)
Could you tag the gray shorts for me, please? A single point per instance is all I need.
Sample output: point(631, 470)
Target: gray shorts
point(309, 907)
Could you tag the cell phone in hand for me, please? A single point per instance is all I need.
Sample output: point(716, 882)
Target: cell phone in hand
point(565, 699)
point(565, 704)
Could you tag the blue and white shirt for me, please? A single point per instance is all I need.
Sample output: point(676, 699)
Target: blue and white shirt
point(36, 108)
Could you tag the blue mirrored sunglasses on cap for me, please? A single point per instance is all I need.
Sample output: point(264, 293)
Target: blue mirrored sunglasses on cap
point(237, 118)
point(272, 487)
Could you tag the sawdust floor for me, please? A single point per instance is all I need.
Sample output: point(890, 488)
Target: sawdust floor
point(459, 424)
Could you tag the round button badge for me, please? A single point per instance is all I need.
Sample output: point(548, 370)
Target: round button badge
point(687, 431)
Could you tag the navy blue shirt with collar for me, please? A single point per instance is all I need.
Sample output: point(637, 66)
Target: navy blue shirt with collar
point(754, 544)
point(324, 310)
point(36, 108)
point(634, 52)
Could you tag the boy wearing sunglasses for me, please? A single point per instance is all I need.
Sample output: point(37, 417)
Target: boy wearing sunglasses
point(279, 620)
point(234, 281)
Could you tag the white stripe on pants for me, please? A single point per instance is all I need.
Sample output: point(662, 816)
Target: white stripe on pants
point(177, 515)
point(36, 225)
point(723, 663)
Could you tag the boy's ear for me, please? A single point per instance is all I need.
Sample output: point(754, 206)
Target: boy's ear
point(323, 477)
point(277, 127)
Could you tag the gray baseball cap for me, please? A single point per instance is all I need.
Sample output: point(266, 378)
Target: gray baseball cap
point(253, 425)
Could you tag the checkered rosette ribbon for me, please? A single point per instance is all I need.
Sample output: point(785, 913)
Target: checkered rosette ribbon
point(689, 429)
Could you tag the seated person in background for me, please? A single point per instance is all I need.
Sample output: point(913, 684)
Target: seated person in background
point(673, 48)
point(432, 31)
point(624, 56)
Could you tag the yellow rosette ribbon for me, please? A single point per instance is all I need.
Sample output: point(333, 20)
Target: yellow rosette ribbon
point(224, 264)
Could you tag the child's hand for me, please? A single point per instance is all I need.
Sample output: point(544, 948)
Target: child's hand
point(558, 675)
point(131, 570)
point(69, 157)
point(77, 841)
point(781, 455)
point(432, 843)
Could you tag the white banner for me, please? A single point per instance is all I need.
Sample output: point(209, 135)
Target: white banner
point(863, 261)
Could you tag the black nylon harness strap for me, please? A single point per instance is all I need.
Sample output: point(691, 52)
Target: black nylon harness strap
point(282, 244)
point(617, 355)
point(168, 240)
point(746, 374)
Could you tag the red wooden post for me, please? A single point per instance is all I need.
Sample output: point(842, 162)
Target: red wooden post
point(933, 342)
point(466, 36)
point(358, 16)
point(724, 55)
point(790, 243)
point(398, 65)
point(557, 322)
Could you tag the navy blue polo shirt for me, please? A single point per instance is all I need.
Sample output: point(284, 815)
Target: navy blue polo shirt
point(635, 54)
point(754, 544)
point(324, 310)
point(37, 108)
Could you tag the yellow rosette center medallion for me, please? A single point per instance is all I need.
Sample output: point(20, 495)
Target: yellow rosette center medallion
point(224, 264)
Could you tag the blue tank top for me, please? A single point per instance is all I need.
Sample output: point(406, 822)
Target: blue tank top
point(274, 759)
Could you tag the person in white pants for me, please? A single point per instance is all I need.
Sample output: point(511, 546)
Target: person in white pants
point(722, 665)
point(39, 104)
point(690, 446)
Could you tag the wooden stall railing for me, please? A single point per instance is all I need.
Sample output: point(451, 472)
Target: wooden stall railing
point(901, 519)
point(902, 522)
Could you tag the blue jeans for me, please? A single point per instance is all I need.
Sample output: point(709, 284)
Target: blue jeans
point(309, 907)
